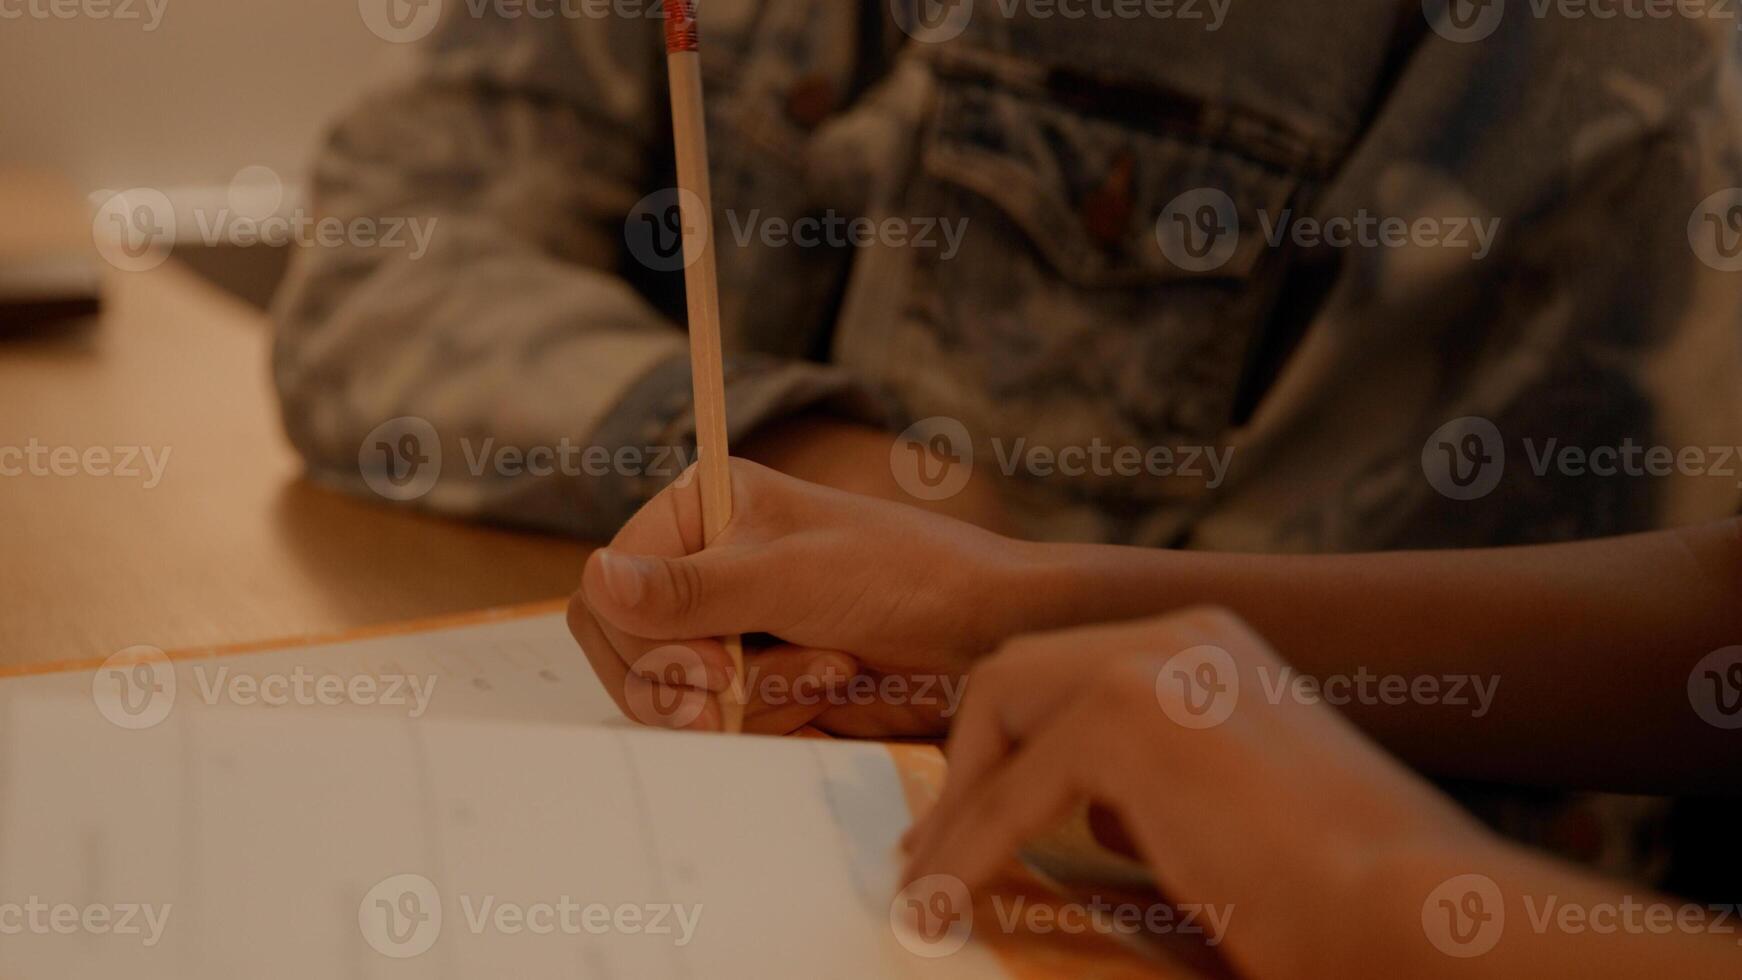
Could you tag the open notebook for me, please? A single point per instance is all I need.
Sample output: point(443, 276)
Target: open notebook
point(459, 800)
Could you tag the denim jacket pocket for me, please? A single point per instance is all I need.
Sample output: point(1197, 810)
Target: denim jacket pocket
point(1107, 203)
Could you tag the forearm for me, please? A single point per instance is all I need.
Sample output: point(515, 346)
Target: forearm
point(854, 456)
point(1586, 649)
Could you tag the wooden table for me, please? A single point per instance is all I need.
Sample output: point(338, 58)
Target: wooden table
point(232, 545)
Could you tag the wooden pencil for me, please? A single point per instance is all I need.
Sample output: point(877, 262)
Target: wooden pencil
point(707, 359)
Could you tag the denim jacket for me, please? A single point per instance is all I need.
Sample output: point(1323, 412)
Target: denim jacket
point(1378, 262)
point(1289, 242)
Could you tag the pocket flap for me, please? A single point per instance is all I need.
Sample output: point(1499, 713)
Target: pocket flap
point(1107, 203)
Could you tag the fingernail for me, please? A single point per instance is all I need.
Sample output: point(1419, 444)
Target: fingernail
point(624, 577)
point(831, 669)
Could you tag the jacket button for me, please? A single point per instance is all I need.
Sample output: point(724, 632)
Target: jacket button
point(1106, 210)
point(811, 100)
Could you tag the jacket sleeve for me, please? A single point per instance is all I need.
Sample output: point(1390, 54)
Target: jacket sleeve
point(490, 310)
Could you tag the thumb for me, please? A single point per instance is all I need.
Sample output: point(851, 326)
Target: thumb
point(710, 593)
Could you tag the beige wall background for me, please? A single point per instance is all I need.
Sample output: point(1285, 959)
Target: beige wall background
point(179, 95)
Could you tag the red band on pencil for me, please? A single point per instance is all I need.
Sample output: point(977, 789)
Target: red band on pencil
point(680, 26)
